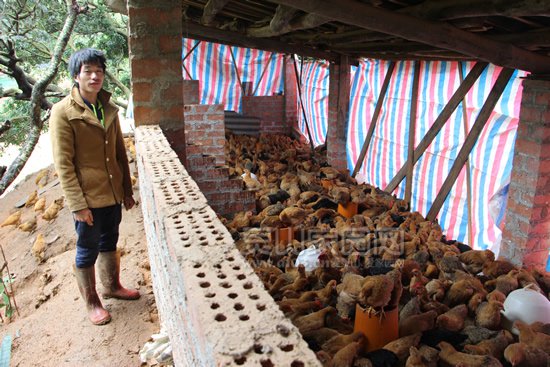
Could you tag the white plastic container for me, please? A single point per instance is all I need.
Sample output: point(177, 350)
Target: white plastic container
point(527, 305)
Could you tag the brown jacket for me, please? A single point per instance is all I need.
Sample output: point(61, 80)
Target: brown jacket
point(90, 160)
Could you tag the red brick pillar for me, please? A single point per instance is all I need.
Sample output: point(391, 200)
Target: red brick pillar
point(526, 236)
point(291, 97)
point(155, 41)
point(338, 102)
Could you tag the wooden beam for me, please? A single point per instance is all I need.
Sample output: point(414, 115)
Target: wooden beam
point(299, 85)
point(428, 32)
point(204, 33)
point(237, 71)
point(412, 131)
point(306, 21)
point(466, 125)
point(447, 111)
point(210, 10)
point(377, 109)
point(283, 15)
point(453, 9)
point(470, 141)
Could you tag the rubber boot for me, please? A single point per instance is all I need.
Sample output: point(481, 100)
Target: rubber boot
point(109, 272)
point(85, 278)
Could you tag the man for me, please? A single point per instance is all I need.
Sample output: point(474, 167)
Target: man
point(92, 166)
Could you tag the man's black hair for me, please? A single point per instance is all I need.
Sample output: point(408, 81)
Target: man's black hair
point(88, 56)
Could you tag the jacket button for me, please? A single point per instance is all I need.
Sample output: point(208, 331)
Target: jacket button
point(111, 177)
point(107, 159)
point(106, 141)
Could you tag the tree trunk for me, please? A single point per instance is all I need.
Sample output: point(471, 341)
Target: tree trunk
point(37, 96)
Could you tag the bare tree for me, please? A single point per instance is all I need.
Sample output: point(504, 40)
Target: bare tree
point(37, 96)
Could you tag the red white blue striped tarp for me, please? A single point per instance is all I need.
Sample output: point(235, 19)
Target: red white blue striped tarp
point(212, 65)
point(490, 161)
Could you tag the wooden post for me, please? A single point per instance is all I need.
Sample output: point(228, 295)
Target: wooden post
point(236, 70)
point(263, 72)
point(470, 141)
point(302, 102)
point(190, 51)
point(412, 130)
point(468, 173)
point(447, 111)
point(377, 109)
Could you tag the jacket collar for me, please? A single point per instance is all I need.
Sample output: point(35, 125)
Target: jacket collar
point(103, 96)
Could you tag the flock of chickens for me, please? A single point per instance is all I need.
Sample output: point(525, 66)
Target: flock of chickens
point(449, 297)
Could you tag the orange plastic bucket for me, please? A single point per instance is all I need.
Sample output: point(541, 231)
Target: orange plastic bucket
point(378, 330)
point(349, 210)
point(282, 235)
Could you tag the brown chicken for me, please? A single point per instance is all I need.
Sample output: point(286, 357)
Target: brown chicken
point(339, 341)
point(376, 292)
point(496, 295)
point(496, 268)
point(250, 182)
point(12, 220)
point(436, 289)
point(494, 346)
point(293, 215)
point(40, 205)
point(523, 355)
point(488, 315)
point(345, 356)
point(313, 321)
point(533, 338)
point(39, 248)
point(417, 323)
point(461, 291)
point(401, 347)
point(53, 209)
point(543, 279)
point(31, 200)
point(28, 226)
point(348, 291)
point(504, 283)
point(450, 357)
point(475, 259)
point(320, 336)
point(424, 357)
point(453, 319)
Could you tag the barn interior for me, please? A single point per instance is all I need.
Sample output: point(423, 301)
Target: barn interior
point(217, 307)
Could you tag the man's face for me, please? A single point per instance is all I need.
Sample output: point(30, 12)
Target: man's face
point(90, 79)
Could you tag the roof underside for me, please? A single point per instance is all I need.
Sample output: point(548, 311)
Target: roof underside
point(510, 33)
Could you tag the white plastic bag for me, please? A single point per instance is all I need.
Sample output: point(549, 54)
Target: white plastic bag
point(309, 258)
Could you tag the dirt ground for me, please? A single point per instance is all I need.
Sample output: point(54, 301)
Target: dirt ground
point(52, 328)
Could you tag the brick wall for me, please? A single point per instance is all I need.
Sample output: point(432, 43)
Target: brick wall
point(526, 236)
point(215, 309)
point(338, 102)
point(291, 95)
point(191, 92)
point(270, 110)
point(204, 126)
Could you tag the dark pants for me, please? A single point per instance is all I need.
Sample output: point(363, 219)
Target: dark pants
point(101, 237)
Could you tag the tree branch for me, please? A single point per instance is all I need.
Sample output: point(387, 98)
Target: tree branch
point(5, 127)
point(37, 95)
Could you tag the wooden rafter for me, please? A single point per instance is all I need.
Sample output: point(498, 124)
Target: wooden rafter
point(412, 132)
point(470, 141)
point(212, 8)
point(306, 21)
point(414, 29)
point(200, 32)
point(447, 111)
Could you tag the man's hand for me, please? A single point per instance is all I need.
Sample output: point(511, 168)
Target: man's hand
point(129, 202)
point(84, 215)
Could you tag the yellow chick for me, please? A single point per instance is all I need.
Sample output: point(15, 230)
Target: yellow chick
point(12, 220)
point(39, 248)
point(40, 175)
point(53, 209)
point(28, 226)
point(40, 205)
point(133, 179)
point(32, 199)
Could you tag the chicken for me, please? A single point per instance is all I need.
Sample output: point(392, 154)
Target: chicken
point(410, 308)
point(475, 259)
point(345, 356)
point(401, 347)
point(316, 338)
point(39, 248)
point(31, 200)
point(250, 181)
point(40, 205)
point(449, 357)
point(461, 291)
point(240, 221)
point(494, 346)
point(339, 341)
point(523, 355)
point(532, 338)
point(424, 357)
point(53, 209)
point(313, 321)
point(475, 334)
point(488, 314)
point(496, 268)
point(397, 290)
point(340, 194)
point(293, 215)
point(418, 282)
point(417, 323)
point(28, 226)
point(504, 283)
point(453, 319)
point(543, 279)
point(12, 220)
point(436, 289)
point(42, 177)
point(496, 295)
point(376, 292)
point(348, 291)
